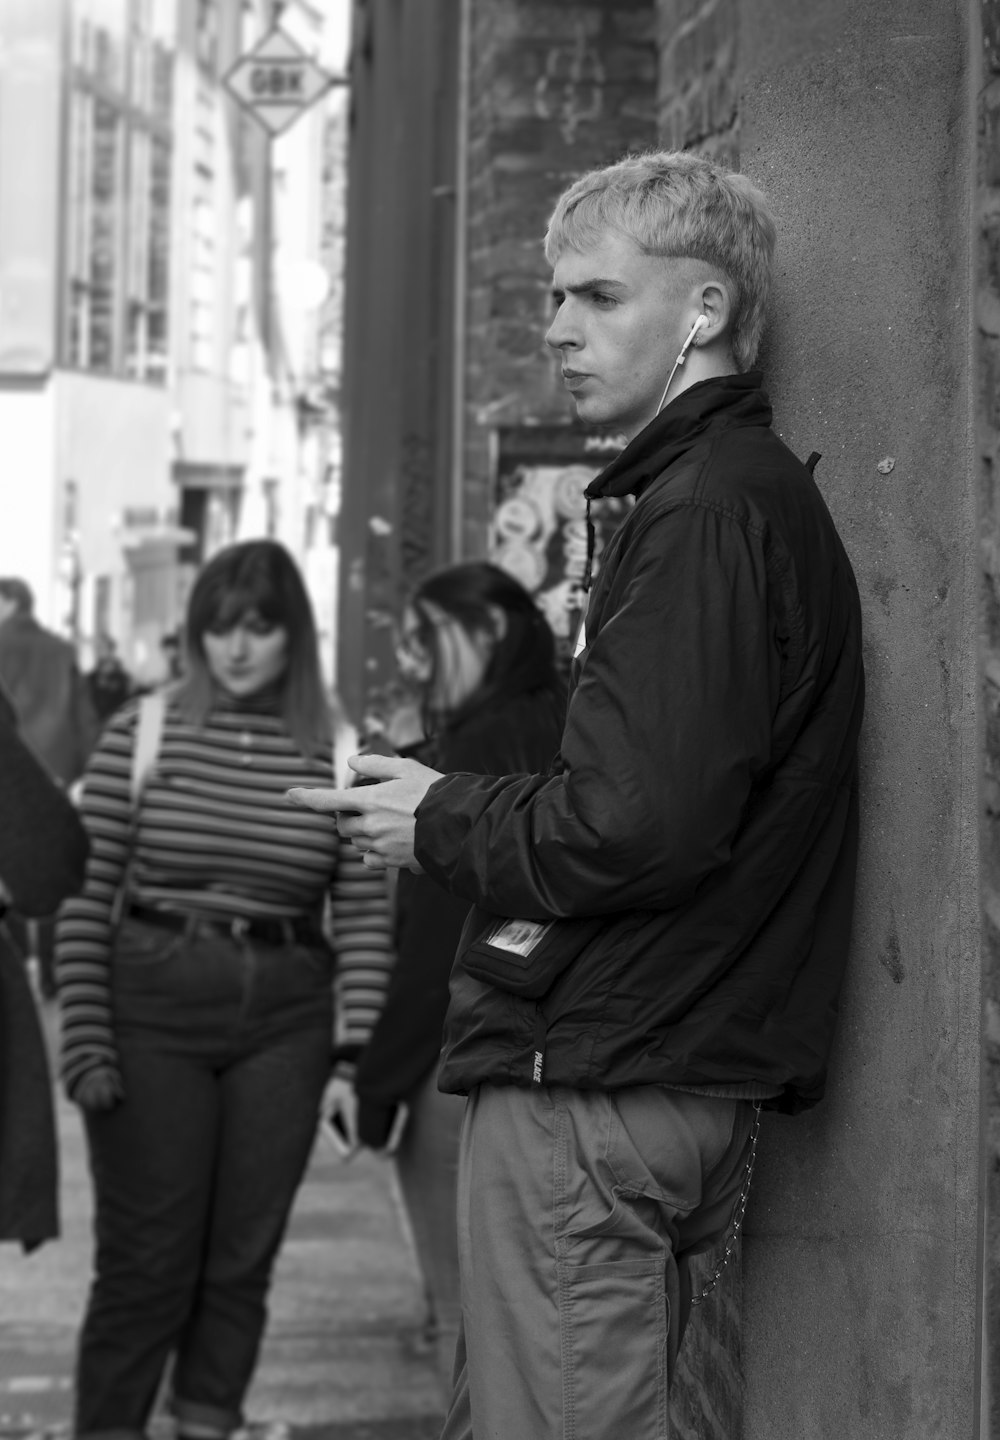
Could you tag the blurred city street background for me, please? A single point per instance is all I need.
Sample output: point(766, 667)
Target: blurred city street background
point(345, 1357)
point(273, 268)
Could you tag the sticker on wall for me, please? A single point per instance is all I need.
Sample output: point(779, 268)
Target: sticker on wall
point(538, 531)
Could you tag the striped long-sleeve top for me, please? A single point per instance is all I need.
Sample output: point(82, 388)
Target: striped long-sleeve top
point(214, 834)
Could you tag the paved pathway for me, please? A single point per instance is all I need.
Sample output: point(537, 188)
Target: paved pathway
point(344, 1357)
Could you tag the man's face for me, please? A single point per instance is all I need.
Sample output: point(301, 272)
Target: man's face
point(619, 325)
point(7, 608)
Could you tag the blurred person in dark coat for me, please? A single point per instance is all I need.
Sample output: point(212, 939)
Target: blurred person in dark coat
point(482, 656)
point(57, 720)
point(43, 856)
point(38, 669)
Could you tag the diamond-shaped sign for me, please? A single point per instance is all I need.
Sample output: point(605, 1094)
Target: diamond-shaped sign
point(276, 81)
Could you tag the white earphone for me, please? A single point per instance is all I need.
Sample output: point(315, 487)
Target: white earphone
point(701, 321)
point(698, 324)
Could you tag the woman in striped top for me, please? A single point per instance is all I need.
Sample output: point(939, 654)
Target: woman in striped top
point(196, 1035)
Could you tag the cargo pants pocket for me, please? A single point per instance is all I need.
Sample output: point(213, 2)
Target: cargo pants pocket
point(611, 1390)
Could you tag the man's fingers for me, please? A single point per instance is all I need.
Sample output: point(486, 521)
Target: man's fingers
point(372, 767)
point(328, 801)
point(377, 767)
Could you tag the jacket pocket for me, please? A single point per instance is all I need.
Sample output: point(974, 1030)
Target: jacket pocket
point(526, 957)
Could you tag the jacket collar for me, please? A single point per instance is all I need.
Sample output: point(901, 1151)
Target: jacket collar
point(716, 404)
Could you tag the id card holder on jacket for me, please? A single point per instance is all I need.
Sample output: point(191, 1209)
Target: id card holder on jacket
point(520, 937)
point(527, 956)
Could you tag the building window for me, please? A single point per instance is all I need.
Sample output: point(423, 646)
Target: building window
point(105, 225)
point(207, 36)
point(118, 210)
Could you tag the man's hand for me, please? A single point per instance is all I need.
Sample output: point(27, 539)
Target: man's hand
point(377, 818)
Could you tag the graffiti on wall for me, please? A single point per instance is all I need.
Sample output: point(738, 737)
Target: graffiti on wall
point(538, 530)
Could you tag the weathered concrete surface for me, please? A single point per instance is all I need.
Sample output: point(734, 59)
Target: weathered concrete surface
point(343, 1359)
point(860, 1274)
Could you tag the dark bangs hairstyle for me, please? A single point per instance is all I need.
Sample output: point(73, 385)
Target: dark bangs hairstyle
point(523, 656)
point(258, 576)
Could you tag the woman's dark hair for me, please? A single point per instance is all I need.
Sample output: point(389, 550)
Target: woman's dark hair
point(258, 576)
point(524, 655)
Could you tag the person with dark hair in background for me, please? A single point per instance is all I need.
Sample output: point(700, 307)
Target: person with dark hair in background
point(170, 648)
point(663, 917)
point(483, 658)
point(38, 669)
point(43, 855)
point(197, 1033)
point(109, 684)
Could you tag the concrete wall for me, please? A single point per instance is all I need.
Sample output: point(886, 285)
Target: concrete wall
point(30, 105)
point(860, 1272)
point(988, 437)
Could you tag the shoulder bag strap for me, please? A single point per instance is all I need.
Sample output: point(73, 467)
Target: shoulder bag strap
point(145, 752)
point(148, 733)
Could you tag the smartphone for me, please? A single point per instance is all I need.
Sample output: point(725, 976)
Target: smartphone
point(396, 1129)
point(360, 780)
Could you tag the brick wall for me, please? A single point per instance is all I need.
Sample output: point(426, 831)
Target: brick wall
point(554, 89)
point(698, 90)
point(988, 436)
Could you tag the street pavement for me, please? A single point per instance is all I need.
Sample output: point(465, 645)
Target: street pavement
point(345, 1356)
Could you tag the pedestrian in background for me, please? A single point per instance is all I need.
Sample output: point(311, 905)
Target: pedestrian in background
point(663, 917)
point(56, 719)
point(483, 658)
point(197, 1034)
point(170, 649)
point(109, 684)
point(43, 852)
point(38, 670)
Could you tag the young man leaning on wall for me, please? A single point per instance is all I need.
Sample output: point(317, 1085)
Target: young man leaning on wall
point(661, 922)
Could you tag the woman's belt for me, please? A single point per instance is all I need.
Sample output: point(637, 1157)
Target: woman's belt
point(300, 929)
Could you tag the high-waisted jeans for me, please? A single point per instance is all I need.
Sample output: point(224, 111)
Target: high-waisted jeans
point(224, 1048)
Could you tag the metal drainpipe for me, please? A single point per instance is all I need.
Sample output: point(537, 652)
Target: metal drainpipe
point(461, 286)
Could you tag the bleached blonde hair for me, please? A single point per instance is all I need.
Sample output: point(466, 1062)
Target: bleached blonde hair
point(679, 205)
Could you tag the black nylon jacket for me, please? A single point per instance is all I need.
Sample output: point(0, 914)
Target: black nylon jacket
point(696, 842)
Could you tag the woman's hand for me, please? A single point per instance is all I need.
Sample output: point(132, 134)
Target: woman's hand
point(339, 1114)
point(100, 1089)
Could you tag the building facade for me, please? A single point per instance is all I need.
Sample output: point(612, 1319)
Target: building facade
point(160, 291)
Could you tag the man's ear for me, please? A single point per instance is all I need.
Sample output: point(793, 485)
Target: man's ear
point(716, 303)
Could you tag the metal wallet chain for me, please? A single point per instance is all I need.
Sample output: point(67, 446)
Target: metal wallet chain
point(739, 1209)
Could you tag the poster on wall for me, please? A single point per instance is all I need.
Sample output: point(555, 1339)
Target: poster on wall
point(538, 528)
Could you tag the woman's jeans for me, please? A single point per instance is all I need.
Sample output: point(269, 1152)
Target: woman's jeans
point(427, 1166)
point(224, 1048)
